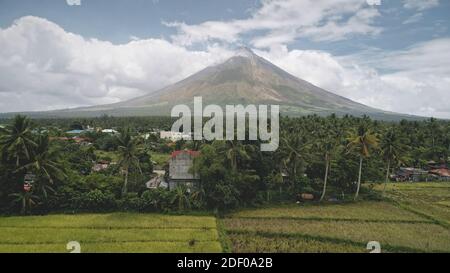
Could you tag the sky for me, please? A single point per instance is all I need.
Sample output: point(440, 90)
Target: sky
point(58, 54)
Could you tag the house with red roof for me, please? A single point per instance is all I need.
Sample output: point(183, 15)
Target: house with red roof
point(443, 174)
point(180, 169)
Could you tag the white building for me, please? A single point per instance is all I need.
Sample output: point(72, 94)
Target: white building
point(174, 136)
point(109, 131)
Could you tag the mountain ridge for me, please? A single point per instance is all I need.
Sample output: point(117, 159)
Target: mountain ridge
point(245, 78)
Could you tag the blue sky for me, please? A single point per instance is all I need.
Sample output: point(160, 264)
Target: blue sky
point(371, 54)
point(118, 20)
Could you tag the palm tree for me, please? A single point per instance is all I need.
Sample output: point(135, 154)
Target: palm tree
point(44, 163)
point(361, 142)
point(294, 148)
point(27, 199)
point(327, 147)
point(236, 150)
point(391, 147)
point(128, 155)
point(17, 140)
point(181, 198)
point(329, 143)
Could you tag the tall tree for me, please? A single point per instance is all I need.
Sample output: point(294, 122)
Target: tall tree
point(391, 148)
point(128, 155)
point(236, 150)
point(294, 149)
point(326, 148)
point(361, 141)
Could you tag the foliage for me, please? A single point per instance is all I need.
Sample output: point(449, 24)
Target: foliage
point(325, 156)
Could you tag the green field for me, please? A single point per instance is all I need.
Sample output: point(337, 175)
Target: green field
point(116, 232)
point(413, 218)
point(431, 200)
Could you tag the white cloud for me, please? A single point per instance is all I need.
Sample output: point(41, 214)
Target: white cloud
point(414, 18)
point(420, 4)
point(44, 67)
point(286, 20)
point(417, 80)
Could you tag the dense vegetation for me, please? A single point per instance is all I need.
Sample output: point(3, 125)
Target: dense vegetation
point(327, 156)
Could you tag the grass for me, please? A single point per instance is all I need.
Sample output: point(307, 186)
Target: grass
point(160, 158)
point(123, 247)
point(362, 211)
point(115, 232)
point(430, 200)
point(100, 154)
point(395, 236)
point(412, 219)
point(253, 243)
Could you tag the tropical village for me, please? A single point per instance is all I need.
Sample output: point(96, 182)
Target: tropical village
point(328, 172)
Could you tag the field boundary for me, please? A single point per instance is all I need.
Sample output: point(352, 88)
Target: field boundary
point(112, 241)
point(388, 247)
point(106, 228)
point(321, 219)
point(442, 223)
point(224, 240)
point(406, 207)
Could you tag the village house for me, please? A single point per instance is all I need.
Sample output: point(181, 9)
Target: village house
point(174, 136)
point(101, 165)
point(109, 131)
point(442, 174)
point(75, 132)
point(411, 174)
point(180, 172)
point(83, 141)
point(158, 181)
point(60, 138)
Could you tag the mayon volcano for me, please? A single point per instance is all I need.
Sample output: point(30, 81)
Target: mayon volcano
point(243, 79)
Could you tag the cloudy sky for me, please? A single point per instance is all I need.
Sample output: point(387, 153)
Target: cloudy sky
point(394, 56)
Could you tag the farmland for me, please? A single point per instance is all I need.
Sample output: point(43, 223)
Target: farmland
point(431, 200)
point(413, 218)
point(116, 232)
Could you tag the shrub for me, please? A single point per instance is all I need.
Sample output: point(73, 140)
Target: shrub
point(132, 202)
point(95, 200)
point(157, 200)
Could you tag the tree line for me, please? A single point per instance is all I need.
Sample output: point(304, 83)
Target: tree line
point(329, 157)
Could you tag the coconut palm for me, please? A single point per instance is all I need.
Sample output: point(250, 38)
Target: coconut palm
point(235, 151)
point(294, 149)
point(361, 142)
point(391, 148)
point(128, 156)
point(327, 148)
point(17, 140)
point(327, 145)
point(44, 163)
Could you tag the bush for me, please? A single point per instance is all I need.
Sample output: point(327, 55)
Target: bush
point(95, 200)
point(158, 199)
point(132, 202)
